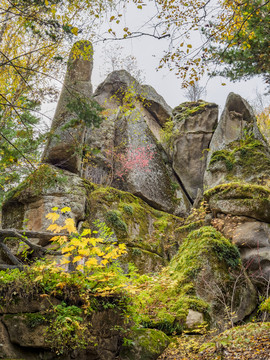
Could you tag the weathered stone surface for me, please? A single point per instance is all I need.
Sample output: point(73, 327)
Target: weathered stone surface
point(194, 318)
point(147, 344)
point(20, 333)
point(29, 204)
point(193, 127)
point(11, 351)
point(155, 104)
point(28, 306)
point(253, 240)
point(26, 335)
point(34, 198)
point(237, 124)
point(243, 200)
point(62, 148)
point(130, 158)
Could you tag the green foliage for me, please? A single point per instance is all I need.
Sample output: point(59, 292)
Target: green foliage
point(104, 231)
point(19, 144)
point(168, 134)
point(244, 48)
point(265, 305)
point(87, 111)
point(67, 329)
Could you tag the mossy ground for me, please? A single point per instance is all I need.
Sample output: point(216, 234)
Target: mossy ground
point(246, 342)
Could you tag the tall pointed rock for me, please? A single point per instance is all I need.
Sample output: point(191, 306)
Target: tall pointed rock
point(62, 149)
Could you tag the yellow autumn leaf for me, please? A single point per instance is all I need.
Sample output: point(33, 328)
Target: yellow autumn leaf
point(52, 216)
point(64, 261)
point(86, 232)
point(93, 241)
point(65, 209)
point(84, 252)
point(99, 252)
point(40, 277)
point(54, 228)
point(122, 246)
point(91, 262)
point(68, 248)
point(79, 267)
point(104, 262)
point(74, 31)
point(70, 226)
point(77, 258)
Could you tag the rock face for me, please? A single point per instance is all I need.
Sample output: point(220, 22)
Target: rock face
point(236, 127)
point(62, 148)
point(130, 158)
point(192, 131)
point(253, 240)
point(23, 336)
point(148, 344)
point(237, 177)
point(34, 198)
point(148, 233)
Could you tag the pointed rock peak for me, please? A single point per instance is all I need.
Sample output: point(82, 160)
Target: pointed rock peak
point(80, 62)
point(155, 104)
point(115, 81)
point(67, 129)
point(120, 81)
point(236, 104)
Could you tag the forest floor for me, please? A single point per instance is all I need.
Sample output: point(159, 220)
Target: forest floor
point(247, 342)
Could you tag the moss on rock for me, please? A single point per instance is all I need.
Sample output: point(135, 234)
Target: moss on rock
point(146, 344)
point(247, 159)
point(240, 199)
point(205, 262)
point(135, 223)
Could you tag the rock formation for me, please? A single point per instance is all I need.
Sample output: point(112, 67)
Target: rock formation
point(62, 147)
point(139, 173)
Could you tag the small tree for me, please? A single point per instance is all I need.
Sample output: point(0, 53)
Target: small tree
point(194, 92)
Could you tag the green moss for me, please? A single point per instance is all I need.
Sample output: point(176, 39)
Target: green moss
point(128, 209)
point(185, 229)
point(189, 109)
point(133, 221)
point(145, 344)
point(243, 158)
point(165, 302)
point(115, 220)
point(238, 191)
point(34, 320)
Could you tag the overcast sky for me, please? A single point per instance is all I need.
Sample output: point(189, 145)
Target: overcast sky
point(148, 51)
